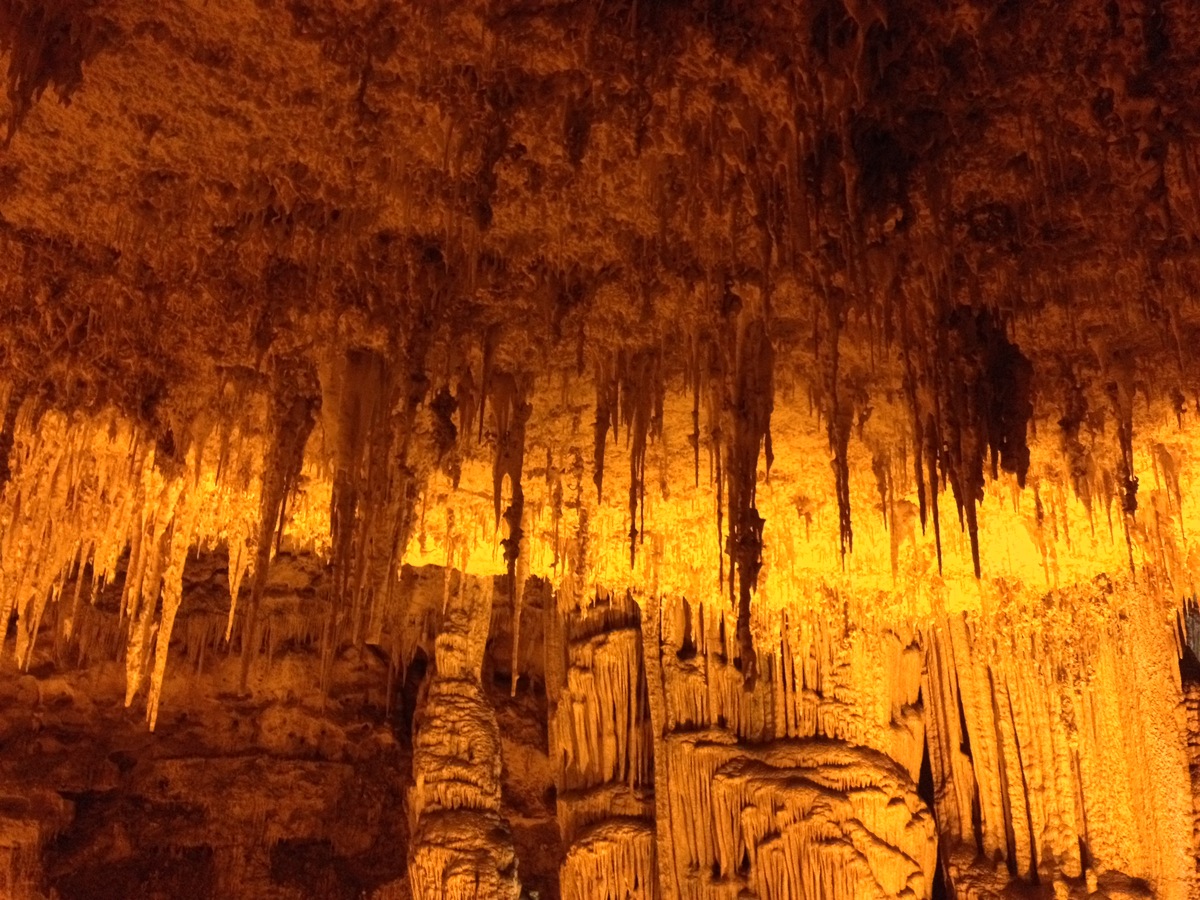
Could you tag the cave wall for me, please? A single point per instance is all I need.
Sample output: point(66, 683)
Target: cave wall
point(1024, 729)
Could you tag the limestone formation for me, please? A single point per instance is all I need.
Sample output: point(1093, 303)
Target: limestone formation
point(599, 448)
point(460, 846)
point(601, 742)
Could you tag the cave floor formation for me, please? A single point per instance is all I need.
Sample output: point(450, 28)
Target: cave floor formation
point(609, 749)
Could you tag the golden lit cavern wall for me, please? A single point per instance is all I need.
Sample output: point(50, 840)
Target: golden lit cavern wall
point(76, 502)
point(1047, 697)
point(1059, 742)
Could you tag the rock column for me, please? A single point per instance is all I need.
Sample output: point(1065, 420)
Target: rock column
point(600, 741)
point(461, 847)
point(801, 785)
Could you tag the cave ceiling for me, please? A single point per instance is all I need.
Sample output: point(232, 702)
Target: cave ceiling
point(897, 255)
point(192, 186)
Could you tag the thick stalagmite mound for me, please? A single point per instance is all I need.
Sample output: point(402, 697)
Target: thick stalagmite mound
point(599, 448)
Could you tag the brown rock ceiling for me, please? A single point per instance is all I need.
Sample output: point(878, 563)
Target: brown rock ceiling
point(230, 181)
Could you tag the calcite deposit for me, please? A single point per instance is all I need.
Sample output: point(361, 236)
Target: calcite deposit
point(599, 449)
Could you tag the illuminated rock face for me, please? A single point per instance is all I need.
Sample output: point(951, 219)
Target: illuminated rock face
point(901, 729)
point(625, 449)
point(1055, 774)
point(779, 791)
point(797, 819)
point(1049, 724)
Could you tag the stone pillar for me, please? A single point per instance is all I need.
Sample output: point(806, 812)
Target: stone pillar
point(802, 785)
point(460, 845)
point(600, 743)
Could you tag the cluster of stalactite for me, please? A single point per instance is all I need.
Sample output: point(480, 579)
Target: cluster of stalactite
point(85, 492)
point(629, 394)
point(48, 44)
point(1058, 744)
point(295, 399)
point(510, 415)
point(733, 371)
point(98, 500)
point(390, 420)
point(91, 502)
point(813, 185)
point(369, 420)
point(972, 406)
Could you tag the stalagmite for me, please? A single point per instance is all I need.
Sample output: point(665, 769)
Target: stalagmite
point(460, 847)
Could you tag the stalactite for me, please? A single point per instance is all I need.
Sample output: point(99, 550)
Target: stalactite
point(468, 406)
point(838, 417)
point(510, 415)
point(1121, 395)
point(972, 405)
point(641, 396)
point(629, 392)
point(997, 410)
point(179, 543)
point(491, 339)
point(241, 563)
point(930, 444)
point(355, 396)
point(445, 437)
point(607, 409)
point(752, 401)
point(1081, 466)
point(694, 379)
point(295, 404)
point(396, 474)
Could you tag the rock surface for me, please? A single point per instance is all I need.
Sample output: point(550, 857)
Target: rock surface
point(599, 448)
